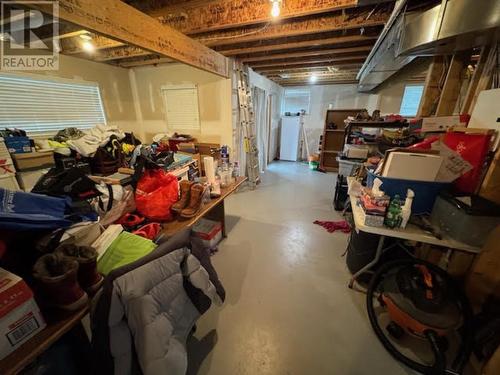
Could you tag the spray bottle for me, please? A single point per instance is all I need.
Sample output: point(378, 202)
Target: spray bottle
point(406, 209)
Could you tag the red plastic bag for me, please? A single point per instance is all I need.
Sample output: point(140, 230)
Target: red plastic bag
point(473, 148)
point(156, 192)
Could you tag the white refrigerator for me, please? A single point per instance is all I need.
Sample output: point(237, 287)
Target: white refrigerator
point(290, 137)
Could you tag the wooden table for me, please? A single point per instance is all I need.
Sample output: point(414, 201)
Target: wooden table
point(212, 210)
point(411, 233)
point(27, 353)
point(31, 349)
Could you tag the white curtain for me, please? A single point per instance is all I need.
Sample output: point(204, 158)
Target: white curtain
point(262, 125)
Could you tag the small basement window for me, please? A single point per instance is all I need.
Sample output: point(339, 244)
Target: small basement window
point(411, 100)
point(39, 105)
point(182, 110)
point(296, 100)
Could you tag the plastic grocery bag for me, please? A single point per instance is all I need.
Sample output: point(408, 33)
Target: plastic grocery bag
point(156, 192)
point(472, 148)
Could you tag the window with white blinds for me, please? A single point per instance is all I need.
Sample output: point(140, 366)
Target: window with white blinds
point(44, 106)
point(182, 111)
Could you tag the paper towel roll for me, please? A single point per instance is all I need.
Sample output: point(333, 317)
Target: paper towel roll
point(208, 161)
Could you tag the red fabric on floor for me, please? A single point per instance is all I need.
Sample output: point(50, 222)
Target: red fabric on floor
point(332, 226)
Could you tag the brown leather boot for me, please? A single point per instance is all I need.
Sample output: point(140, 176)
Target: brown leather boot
point(195, 201)
point(57, 282)
point(185, 188)
point(88, 277)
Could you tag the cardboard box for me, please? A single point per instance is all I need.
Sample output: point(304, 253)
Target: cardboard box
point(443, 123)
point(34, 160)
point(20, 317)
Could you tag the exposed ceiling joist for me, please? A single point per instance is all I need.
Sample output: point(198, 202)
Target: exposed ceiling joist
point(100, 42)
point(300, 62)
point(322, 83)
point(320, 52)
point(299, 27)
point(196, 16)
point(122, 22)
point(304, 68)
point(304, 44)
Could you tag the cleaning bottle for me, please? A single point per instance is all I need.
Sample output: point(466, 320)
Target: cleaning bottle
point(406, 210)
point(393, 216)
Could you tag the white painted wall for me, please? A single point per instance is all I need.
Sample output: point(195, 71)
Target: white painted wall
point(277, 92)
point(214, 94)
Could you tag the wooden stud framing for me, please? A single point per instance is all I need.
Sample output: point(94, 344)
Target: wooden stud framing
point(471, 90)
point(432, 88)
point(303, 44)
point(452, 85)
point(484, 79)
point(122, 22)
point(198, 17)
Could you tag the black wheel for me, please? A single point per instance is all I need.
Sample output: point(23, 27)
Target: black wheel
point(443, 344)
point(372, 294)
point(395, 330)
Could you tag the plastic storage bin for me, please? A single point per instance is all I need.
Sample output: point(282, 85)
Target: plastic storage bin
point(470, 224)
point(425, 192)
point(209, 231)
point(348, 167)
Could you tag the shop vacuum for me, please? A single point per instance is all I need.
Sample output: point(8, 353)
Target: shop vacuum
point(421, 300)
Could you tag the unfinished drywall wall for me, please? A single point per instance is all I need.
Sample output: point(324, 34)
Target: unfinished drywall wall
point(214, 95)
point(276, 91)
point(114, 85)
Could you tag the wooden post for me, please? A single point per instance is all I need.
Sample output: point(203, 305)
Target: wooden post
point(452, 85)
point(432, 89)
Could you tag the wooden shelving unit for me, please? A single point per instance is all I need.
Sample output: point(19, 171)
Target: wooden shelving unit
point(333, 139)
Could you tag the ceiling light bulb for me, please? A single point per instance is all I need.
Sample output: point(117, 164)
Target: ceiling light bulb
point(85, 37)
point(313, 78)
point(88, 46)
point(276, 9)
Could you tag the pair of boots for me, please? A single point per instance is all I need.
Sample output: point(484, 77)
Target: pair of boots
point(67, 275)
point(190, 201)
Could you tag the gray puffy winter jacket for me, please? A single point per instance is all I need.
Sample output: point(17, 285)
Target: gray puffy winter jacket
point(146, 310)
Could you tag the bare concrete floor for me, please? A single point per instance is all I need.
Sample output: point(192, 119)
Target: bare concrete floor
point(288, 308)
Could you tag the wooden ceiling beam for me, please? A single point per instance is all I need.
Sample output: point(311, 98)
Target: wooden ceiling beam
point(145, 62)
point(300, 62)
point(119, 21)
point(299, 27)
point(121, 53)
point(302, 44)
point(321, 52)
point(197, 16)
